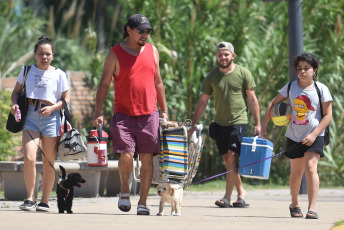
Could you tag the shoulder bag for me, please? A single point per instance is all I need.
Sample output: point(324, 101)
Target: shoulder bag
point(71, 145)
point(327, 129)
point(12, 125)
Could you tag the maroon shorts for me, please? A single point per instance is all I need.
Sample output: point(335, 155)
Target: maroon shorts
point(135, 133)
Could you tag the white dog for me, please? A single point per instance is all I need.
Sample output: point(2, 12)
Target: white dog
point(172, 194)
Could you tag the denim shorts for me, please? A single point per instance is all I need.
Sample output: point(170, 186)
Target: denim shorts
point(137, 134)
point(297, 149)
point(46, 126)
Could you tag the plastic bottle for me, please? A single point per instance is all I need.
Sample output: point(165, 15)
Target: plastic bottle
point(17, 115)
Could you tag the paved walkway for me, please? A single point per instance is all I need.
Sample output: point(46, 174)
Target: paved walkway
point(268, 210)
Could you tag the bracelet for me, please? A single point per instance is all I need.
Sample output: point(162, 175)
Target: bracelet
point(164, 112)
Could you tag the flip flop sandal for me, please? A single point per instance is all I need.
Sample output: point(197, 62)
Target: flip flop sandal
point(142, 210)
point(223, 203)
point(124, 204)
point(312, 215)
point(240, 203)
point(295, 212)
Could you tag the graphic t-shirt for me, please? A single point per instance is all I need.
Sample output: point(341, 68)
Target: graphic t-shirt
point(44, 84)
point(306, 114)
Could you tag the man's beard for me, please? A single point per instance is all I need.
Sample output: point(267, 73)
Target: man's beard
point(141, 44)
point(225, 66)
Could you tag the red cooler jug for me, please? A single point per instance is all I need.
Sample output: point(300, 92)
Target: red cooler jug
point(97, 147)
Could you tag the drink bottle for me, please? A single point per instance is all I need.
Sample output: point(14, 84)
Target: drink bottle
point(17, 115)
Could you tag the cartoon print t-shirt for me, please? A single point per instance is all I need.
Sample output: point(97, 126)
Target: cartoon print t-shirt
point(302, 107)
point(306, 115)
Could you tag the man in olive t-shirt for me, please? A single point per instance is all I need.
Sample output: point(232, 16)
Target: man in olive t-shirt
point(231, 85)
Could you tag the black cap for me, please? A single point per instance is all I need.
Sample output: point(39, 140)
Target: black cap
point(139, 22)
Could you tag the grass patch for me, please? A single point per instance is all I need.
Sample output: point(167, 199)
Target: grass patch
point(220, 185)
point(52, 194)
point(339, 223)
point(2, 196)
point(210, 186)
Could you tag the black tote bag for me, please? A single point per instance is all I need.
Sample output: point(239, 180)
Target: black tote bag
point(12, 125)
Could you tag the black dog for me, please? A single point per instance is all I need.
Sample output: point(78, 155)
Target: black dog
point(65, 190)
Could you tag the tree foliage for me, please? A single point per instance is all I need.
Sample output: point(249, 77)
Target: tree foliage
point(186, 33)
point(18, 31)
point(7, 143)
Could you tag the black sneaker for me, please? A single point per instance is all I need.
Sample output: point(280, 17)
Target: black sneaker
point(28, 205)
point(42, 207)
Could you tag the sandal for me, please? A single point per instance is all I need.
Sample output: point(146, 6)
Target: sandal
point(223, 203)
point(295, 212)
point(240, 203)
point(124, 204)
point(142, 210)
point(312, 215)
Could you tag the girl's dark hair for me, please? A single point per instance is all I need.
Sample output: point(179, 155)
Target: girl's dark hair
point(307, 57)
point(44, 39)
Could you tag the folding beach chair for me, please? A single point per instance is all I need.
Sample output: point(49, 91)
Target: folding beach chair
point(179, 157)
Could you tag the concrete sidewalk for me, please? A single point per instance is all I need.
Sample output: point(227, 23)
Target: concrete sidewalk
point(268, 210)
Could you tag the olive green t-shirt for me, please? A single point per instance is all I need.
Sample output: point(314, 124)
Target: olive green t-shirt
point(229, 91)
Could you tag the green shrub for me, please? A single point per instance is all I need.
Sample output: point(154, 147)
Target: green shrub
point(7, 142)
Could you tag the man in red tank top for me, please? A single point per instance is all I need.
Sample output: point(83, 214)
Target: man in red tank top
point(134, 66)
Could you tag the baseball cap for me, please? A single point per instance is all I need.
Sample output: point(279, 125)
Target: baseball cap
point(139, 22)
point(225, 46)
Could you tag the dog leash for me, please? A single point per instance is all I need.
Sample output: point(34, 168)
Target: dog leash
point(256, 162)
point(43, 154)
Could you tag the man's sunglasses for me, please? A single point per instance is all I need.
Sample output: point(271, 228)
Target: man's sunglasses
point(147, 31)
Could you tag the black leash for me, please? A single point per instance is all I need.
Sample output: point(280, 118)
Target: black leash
point(43, 154)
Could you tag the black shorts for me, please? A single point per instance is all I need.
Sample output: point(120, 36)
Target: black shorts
point(229, 137)
point(298, 150)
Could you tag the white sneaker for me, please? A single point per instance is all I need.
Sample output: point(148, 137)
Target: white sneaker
point(43, 207)
point(28, 205)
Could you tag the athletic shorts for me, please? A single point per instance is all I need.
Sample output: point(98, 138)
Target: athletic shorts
point(297, 149)
point(229, 137)
point(135, 133)
point(46, 126)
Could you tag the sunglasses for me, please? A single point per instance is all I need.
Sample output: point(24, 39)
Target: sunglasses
point(147, 31)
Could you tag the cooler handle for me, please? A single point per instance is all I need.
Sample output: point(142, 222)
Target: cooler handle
point(100, 132)
point(254, 144)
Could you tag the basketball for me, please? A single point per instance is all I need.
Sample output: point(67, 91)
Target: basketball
point(281, 114)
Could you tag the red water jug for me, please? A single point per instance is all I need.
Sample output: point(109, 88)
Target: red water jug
point(97, 147)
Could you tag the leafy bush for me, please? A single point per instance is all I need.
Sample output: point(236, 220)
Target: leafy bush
point(7, 142)
point(186, 34)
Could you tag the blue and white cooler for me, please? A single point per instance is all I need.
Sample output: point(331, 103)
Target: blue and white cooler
point(254, 149)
